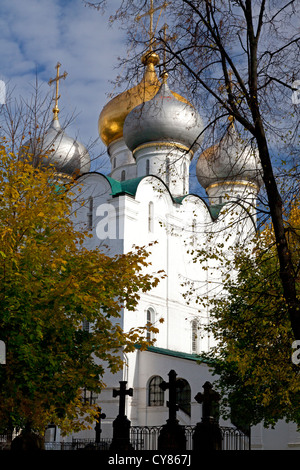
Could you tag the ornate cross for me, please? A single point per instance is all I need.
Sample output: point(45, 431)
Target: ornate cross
point(98, 424)
point(172, 385)
point(122, 392)
point(150, 13)
point(209, 399)
point(57, 96)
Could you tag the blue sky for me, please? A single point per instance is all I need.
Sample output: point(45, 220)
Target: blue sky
point(36, 34)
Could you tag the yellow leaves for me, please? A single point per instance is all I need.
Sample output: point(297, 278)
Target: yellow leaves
point(50, 284)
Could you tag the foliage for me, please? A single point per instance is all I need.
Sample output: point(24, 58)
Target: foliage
point(253, 354)
point(50, 284)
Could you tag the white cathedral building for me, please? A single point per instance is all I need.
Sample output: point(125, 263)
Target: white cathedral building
point(152, 134)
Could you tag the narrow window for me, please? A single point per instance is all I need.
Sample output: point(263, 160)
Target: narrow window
point(194, 237)
point(86, 326)
point(90, 213)
point(147, 167)
point(194, 336)
point(167, 171)
point(184, 178)
point(88, 396)
point(220, 199)
point(150, 319)
point(155, 393)
point(150, 216)
point(114, 162)
point(123, 175)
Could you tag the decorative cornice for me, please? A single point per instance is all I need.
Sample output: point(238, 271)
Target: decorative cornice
point(228, 183)
point(164, 144)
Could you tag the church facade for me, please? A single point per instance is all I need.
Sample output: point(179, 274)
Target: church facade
point(152, 134)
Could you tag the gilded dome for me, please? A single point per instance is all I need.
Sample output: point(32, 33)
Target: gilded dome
point(164, 118)
point(229, 160)
point(112, 116)
point(65, 154)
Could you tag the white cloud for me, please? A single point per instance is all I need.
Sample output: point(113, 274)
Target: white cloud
point(36, 34)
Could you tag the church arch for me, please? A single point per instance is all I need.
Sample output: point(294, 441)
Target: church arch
point(156, 395)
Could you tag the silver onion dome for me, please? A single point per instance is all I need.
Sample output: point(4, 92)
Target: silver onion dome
point(57, 149)
point(163, 119)
point(229, 160)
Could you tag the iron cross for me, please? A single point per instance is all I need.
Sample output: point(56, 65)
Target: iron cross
point(172, 385)
point(122, 392)
point(209, 399)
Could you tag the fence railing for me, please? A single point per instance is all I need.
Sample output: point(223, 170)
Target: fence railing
point(146, 438)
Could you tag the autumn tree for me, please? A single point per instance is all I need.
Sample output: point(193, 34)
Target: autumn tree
point(50, 284)
point(253, 359)
point(237, 59)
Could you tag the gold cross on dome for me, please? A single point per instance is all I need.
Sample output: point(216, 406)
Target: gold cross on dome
point(150, 13)
point(57, 96)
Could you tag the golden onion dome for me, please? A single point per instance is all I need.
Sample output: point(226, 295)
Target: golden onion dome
point(112, 116)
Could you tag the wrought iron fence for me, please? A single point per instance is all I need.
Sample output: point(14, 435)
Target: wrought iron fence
point(234, 439)
point(146, 438)
point(79, 444)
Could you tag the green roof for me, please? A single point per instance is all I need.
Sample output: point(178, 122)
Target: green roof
point(124, 187)
point(215, 210)
point(179, 354)
point(130, 187)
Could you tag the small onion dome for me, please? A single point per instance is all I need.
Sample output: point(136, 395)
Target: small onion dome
point(112, 116)
point(229, 160)
point(163, 119)
point(65, 154)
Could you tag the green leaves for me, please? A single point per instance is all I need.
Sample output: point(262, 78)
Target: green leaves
point(50, 283)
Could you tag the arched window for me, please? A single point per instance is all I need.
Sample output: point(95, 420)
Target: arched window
point(147, 167)
point(183, 396)
point(150, 216)
point(155, 393)
point(123, 175)
point(150, 319)
point(90, 213)
point(114, 162)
